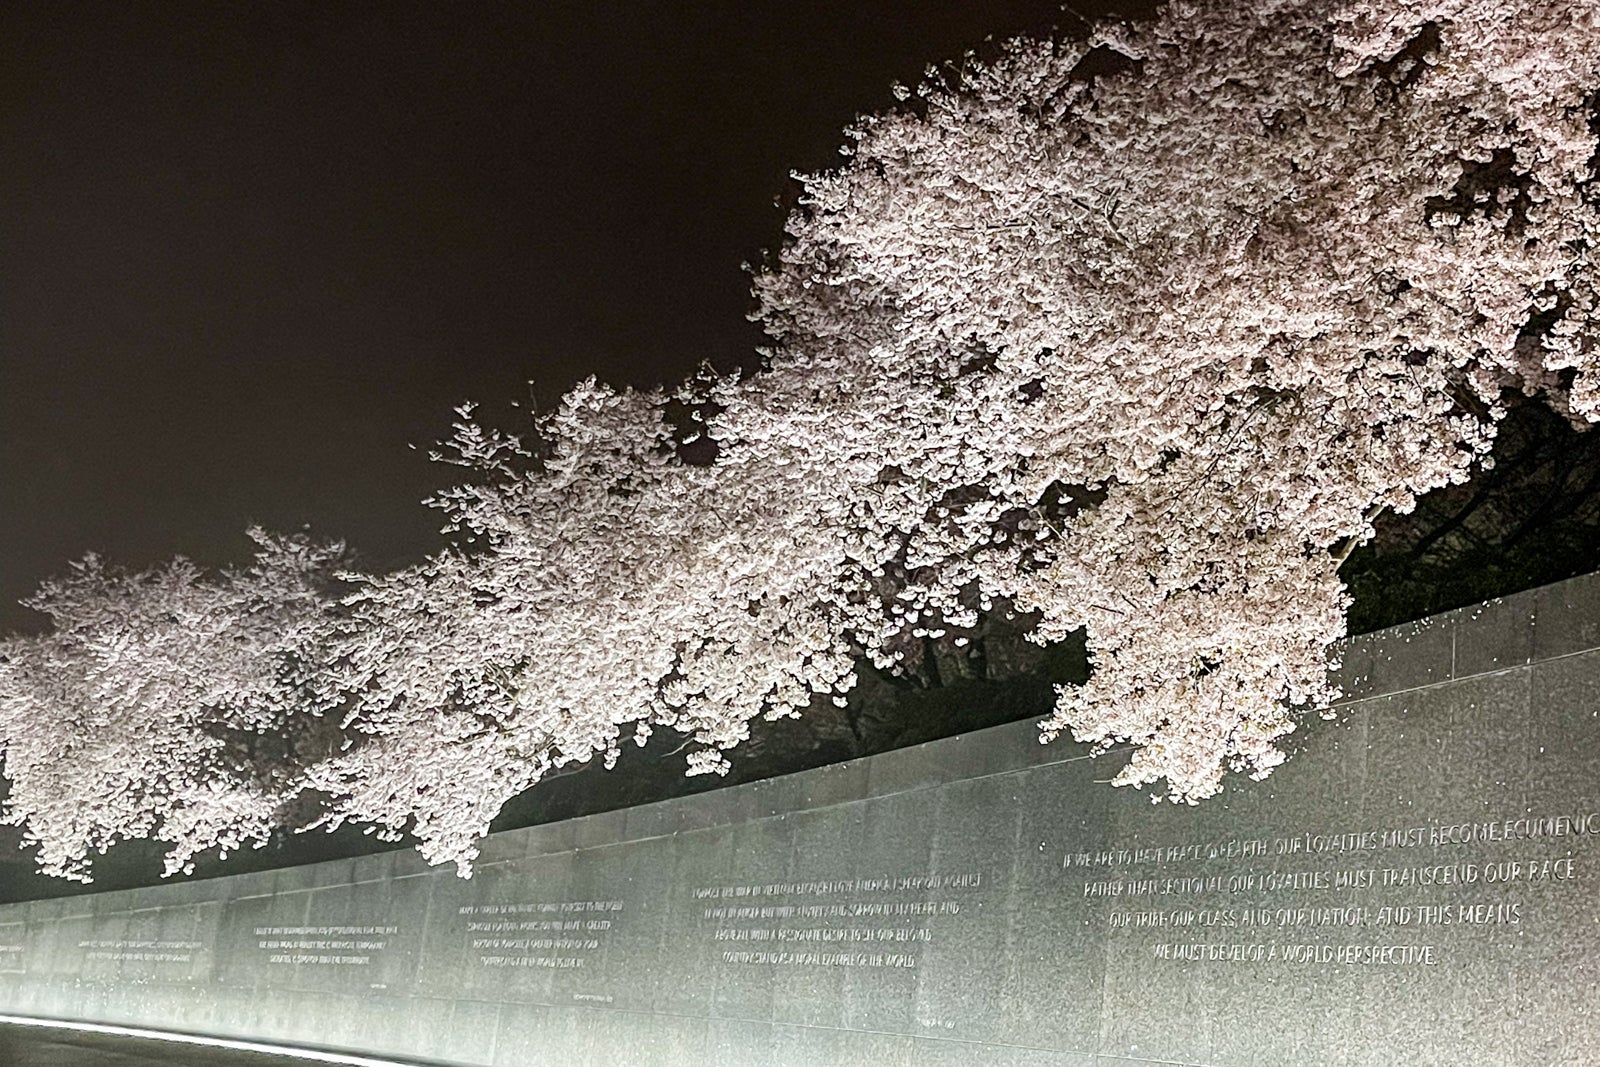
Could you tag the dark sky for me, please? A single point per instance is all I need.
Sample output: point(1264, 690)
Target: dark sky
point(249, 252)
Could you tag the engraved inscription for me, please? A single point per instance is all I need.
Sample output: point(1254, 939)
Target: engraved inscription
point(12, 949)
point(142, 951)
point(881, 922)
point(1368, 897)
point(558, 935)
point(324, 946)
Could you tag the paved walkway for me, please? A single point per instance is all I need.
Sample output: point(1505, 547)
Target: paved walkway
point(28, 1046)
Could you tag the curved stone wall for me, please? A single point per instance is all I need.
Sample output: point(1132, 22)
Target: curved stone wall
point(1419, 884)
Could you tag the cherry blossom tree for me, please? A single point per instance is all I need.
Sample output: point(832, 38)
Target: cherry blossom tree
point(1134, 335)
point(1226, 305)
point(168, 703)
point(601, 584)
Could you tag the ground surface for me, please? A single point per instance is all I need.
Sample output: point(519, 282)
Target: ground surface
point(26, 1046)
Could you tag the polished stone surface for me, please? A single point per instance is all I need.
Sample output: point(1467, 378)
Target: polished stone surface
point(1418, 884)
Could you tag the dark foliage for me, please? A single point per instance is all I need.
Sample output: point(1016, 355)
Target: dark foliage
point(1530, 519)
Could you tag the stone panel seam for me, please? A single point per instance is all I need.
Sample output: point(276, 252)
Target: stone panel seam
point(1354, 701)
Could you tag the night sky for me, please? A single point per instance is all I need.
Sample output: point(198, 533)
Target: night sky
point(249, 253)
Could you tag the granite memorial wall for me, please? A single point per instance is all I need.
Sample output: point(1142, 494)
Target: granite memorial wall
point(1419, 884)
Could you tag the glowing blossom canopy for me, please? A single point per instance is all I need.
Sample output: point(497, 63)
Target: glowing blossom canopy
point(1143, 353)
